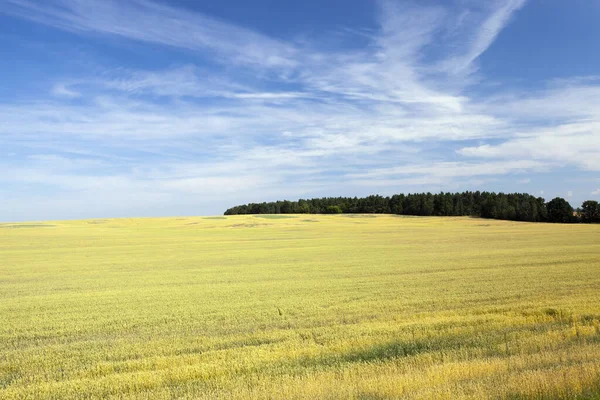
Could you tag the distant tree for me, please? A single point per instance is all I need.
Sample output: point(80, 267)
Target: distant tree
point(410, 205)
point(334, 210)
point(427, 204)
point(286, 207)
point(396, 204)
point(303, 207)
point(559, 210)
point(542, 209)
point(509, 206)
point(590, 211)
point(447, 204)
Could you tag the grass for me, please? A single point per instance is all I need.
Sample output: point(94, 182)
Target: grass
point(358, 308)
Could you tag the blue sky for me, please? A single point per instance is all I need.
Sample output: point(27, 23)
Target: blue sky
point(114, 108)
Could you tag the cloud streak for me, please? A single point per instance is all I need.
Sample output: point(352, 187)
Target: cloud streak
point(486, 33)
point(155, 23)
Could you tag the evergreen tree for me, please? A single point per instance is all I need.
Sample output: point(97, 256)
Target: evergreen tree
point(513, 206)
point(559, 210)
point(590, 211)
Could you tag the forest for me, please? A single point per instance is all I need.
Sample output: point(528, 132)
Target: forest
point(512, 206)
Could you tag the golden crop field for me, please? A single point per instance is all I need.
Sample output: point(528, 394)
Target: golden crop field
point(299, 307)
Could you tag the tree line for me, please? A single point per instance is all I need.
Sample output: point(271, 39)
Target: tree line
point(512, 206)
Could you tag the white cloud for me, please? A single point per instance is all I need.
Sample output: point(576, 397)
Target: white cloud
point(572, 143)
point(571, 100)
point(596, 192)
point(445, 170)
point(61, 90)
point(570, 193)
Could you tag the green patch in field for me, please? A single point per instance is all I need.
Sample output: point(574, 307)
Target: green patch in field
point(310, 220)
point(360, 215)
point(591, 319)
point(552, 312)
point(26, 226)
point(275, 216)
point(214, 217)
point(247, 225)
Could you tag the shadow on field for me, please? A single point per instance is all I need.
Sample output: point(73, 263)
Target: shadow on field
point(391, 350)
point(486, 342)
point(385, 351)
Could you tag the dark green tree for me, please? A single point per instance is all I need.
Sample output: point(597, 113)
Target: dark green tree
point(333, 210)
point(511, 206)
point(559, 210)
point(590, 211)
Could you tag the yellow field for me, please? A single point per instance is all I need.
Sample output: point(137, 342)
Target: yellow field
point(361, 307)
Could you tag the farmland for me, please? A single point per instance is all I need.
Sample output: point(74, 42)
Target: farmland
point(302, 306)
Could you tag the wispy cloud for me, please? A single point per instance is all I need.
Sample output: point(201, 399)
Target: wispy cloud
point(156, 23)
point(62, 90)
point(571, 136)
point(445, 170)
point(494, 20)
